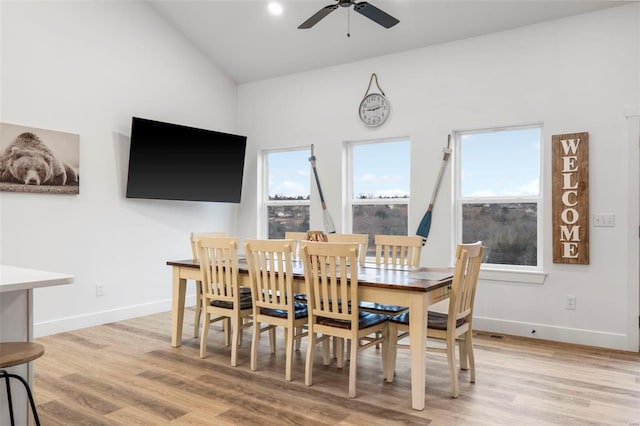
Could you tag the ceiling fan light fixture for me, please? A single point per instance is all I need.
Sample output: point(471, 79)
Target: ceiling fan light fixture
point(275, 8)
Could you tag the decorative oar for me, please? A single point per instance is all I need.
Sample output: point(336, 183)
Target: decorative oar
point(329, 227)
point(425, 223)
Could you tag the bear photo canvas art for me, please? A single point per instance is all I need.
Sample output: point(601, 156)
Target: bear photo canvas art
point(39, 160)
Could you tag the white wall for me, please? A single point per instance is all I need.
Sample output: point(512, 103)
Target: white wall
point(87, 68)
point(576, 74)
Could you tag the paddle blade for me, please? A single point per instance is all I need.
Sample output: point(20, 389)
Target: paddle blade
point(424, 227)
point(329, 227)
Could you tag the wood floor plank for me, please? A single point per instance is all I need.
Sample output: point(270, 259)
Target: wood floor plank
point(126, 373)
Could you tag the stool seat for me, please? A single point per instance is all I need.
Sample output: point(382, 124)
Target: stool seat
point(16, 353)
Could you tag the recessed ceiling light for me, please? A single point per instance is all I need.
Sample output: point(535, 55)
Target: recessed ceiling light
point(275, 8)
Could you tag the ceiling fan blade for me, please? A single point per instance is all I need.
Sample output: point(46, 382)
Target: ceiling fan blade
point(317, 16)
point(376, 15)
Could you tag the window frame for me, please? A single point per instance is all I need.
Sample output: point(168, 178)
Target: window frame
point(263, 196)
point(350, 201)
point(458, 200)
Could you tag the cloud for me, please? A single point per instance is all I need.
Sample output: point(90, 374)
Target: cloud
point(289, 189)
point(373, 178)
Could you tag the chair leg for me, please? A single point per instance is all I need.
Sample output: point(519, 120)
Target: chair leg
point(226, 327)
point(196, 325)
point(453, 370)
point(236, 330)
point(339, 351)
point(272, 339)
point(308, 369)
point(205, 334)
point(353, 369)
point(32, 403)
point(470, 355)
point(9, 400)
point(289, 354)
point(462, 349)
point(254, 345)
point(326, 356)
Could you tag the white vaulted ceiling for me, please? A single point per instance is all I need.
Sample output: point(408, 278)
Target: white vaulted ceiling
point(250, 44)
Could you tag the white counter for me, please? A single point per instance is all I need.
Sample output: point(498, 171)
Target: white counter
point(16, 324)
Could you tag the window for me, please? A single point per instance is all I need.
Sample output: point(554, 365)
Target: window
point(286, 191)
point(378, 188)
point(498, 198)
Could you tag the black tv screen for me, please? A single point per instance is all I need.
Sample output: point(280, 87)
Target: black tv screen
point(173, 162)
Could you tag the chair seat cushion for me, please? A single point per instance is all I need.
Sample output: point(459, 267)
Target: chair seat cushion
point(436, 320)
point(300, 311)
point(382, 308)
point(365, 320)
point(300, 297)
point(246, 301)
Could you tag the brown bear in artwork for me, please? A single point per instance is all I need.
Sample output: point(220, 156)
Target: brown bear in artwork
point(29, 161)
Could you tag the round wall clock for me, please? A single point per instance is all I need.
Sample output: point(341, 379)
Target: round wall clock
point(374, 109)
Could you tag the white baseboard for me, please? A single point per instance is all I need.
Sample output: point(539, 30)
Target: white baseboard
point(555, 333)
point(46, 328)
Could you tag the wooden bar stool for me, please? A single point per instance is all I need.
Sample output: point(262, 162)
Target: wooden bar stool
point(17, 353)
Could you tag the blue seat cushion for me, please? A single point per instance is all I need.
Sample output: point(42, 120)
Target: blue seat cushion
point(365, 320)
point(382, 308)
point(246, 301)
point(300, 311)
point(436, 320)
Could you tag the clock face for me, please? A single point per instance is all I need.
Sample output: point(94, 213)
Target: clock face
point(374, 110)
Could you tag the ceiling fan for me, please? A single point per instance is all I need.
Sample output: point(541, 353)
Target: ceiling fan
point(366, 9)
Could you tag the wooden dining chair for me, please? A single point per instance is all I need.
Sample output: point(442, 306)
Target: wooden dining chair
point(331, 278)
point(193, 238)
point(455, 323)
point(398, 250)
point(222, 296)
point(296, 237)
point(394, 250)
point(271, 275)
point(361, 239)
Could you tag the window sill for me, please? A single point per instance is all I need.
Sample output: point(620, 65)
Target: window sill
point(527, 277)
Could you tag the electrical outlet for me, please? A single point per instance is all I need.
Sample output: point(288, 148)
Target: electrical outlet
point(606, 220)
point(570, 302)
point(99, 290)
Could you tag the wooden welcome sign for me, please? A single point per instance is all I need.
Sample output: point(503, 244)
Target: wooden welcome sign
point(570, 198)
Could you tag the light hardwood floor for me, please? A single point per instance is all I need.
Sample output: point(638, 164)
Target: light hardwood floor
point(126, 373)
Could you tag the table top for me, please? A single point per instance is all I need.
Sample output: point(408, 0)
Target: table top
point(13, 278)
point(397, 277)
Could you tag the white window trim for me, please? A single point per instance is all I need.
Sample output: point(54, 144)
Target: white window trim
point(263, 194)
point(349, 201)
point(499, 272)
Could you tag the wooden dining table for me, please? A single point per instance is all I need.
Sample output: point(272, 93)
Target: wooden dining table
point(414, 287)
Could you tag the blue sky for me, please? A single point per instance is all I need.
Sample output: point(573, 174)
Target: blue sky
point(493, 164)
point(501, 163)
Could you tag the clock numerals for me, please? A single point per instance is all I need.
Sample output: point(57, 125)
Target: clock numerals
point(374, 110)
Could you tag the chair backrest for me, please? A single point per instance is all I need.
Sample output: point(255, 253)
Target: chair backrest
point(219, 267)
point(331, 278)
point(361, 239)
point(297, 237)
point(398, 250)
point(194, 236)
point(270, 271)
point(465, 281)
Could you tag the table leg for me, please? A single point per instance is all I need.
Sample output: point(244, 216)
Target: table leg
point(177, 309)
point(417, 336)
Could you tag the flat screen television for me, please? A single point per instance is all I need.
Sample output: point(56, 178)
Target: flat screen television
point(173, 162)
